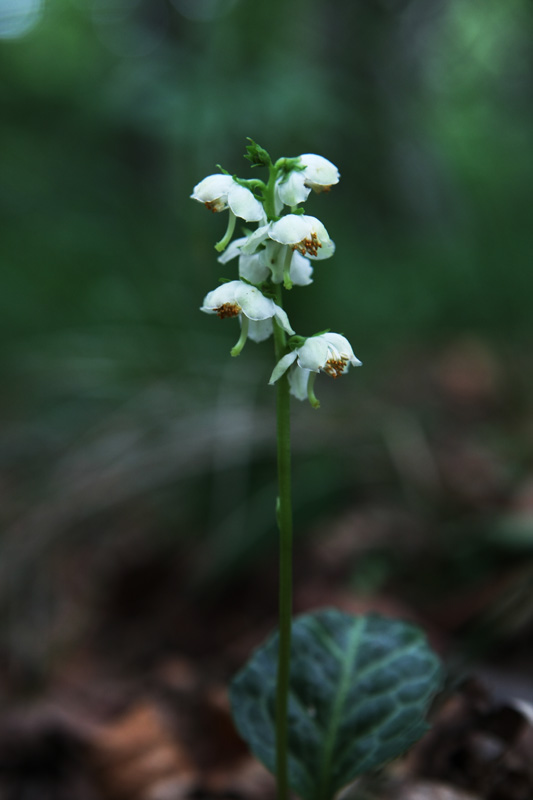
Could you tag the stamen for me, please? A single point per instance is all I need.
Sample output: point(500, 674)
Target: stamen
point(215, 205)
point(228, 310)
point(308, 245)
point(335, 367)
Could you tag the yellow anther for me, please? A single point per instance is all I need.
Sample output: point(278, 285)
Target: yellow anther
point(214, 205)
point(228, 310)
point(309, 246)
point(335, 367)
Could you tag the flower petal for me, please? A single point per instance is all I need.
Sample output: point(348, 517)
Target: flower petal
point(243, 203)
point(301, 270)
point(274, 256)
point(283, 320)
point(326, 251)
point(313, 354)
point(232, 250)
point(298, 381)
point(259, 330)
point(293, 190)
point(290, 229)
point(254, 267)
point(319, 172)
point(282, 366)
point(253, 302)
point(225, 293)
point(255, 239)
point(342, 346)
point(317, 227)
point(212, 188)
point(300, 229)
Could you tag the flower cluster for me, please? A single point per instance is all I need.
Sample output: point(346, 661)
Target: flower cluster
point(279, 252)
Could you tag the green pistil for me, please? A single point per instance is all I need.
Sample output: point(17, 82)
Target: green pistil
point(220, 246)
point(235, 351)
point(310, 390)
point(287, 283)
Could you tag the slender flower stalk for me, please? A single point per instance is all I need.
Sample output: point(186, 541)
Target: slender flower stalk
point(277, 255)
point(284, 519)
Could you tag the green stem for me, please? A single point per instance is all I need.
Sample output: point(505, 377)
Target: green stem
point(269, 193)
point(284, 517)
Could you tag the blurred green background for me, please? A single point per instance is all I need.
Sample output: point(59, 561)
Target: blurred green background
point(122, 417)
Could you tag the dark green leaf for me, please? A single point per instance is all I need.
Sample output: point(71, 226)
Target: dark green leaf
point(360, 689)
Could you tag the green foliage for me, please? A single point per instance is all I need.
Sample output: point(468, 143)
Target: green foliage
point(359, 691)
point(257, 154)
point(424, 106)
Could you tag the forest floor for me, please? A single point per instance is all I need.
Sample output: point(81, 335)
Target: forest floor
point(135, 707)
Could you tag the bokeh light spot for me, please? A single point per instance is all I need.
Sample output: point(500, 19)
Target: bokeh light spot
point(18, 17)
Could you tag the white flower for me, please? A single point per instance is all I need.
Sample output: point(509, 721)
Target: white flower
point(329, 352)
point(305, 234)
point(270, 261)
point(236, 297)
point(219, 192)
point(301, 232)
point(256, 312)
point(318, 174)
point(253, 267)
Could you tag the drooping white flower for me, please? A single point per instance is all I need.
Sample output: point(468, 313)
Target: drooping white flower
point(236, 297)
point(301, 232)
point(268, 262)
point(318, 175)
point(218, 192)
point(256, 312)
point(329, 352)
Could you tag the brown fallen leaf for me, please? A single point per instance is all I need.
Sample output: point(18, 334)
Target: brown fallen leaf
point(138, 757)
